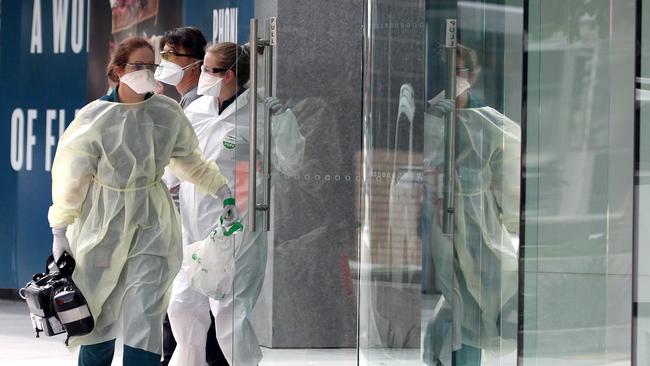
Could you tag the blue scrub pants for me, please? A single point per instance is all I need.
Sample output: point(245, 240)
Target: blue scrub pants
point(101, 354)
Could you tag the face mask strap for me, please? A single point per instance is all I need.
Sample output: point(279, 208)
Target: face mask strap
point(242, 51)
point(192, 64)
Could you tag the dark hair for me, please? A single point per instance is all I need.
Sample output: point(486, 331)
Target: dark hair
point(121, 55)
point(234, 57)
point(190, 38)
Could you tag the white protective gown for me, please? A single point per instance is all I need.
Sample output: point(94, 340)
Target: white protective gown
point(485, 249)
point(224, 138)
point(124, 233)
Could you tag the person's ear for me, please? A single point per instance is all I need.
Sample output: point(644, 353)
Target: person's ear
point(231, 76)
point(118, 71)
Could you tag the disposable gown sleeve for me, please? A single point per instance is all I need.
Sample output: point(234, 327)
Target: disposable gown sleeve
point(75, 163)
point(434, 133)
point(288, 143)
point(188, 163)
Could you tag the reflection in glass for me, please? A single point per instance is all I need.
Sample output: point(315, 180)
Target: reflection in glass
point(483, 288)
point(430, 293)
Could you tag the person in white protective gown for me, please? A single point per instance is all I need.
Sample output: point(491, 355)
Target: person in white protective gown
point(180, 66)
point(114, 215)
point(221, 121)
point(477, 271)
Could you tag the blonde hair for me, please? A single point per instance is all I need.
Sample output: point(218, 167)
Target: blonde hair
point(234, 57)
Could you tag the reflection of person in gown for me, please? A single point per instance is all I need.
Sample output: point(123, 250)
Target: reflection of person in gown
point(476, 272)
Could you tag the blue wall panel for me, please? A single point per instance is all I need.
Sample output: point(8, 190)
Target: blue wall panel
point(32, 83)
point(35, 81)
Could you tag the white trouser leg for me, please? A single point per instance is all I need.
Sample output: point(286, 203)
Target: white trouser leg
point(234, 330)
point(245, 350)
point(190, 320)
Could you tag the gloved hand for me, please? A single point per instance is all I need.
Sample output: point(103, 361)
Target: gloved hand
point(406, 102)
point(442, 107)
point(60, 242)
point(230, 213)
point(274, 105)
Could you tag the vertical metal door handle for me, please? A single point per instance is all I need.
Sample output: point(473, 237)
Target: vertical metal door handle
point(450, 128)
point(268, 85)
point(252, 131)
point(268, 114)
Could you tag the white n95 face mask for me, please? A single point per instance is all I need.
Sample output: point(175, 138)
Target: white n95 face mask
point(140, 81)
point(209, 85)
point(462, 85)
point(170, 73)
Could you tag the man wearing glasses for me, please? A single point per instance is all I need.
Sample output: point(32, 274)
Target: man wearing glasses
point(182, 56)
point(180, 66)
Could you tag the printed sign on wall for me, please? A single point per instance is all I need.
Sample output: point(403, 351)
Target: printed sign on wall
point(220, 20)
point(43, 72)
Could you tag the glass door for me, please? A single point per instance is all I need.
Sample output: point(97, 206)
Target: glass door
point(393, 190)
point(301, 161)
point(440, 183)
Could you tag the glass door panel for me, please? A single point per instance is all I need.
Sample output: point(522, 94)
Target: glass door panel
point(440, 188)
point(577, 274)
point(641, 334)
point(391, 302)
point(308, 92)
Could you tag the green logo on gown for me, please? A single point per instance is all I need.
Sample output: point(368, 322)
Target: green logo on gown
point(229, 142)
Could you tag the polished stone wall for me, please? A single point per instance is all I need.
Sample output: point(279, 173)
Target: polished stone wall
point(308, 298)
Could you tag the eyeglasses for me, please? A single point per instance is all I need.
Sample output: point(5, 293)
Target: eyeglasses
point(169, 55)
point(462, 71)
point(214, 70)
point(137, 67)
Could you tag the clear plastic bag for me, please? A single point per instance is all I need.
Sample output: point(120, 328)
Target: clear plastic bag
point(209, 264)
